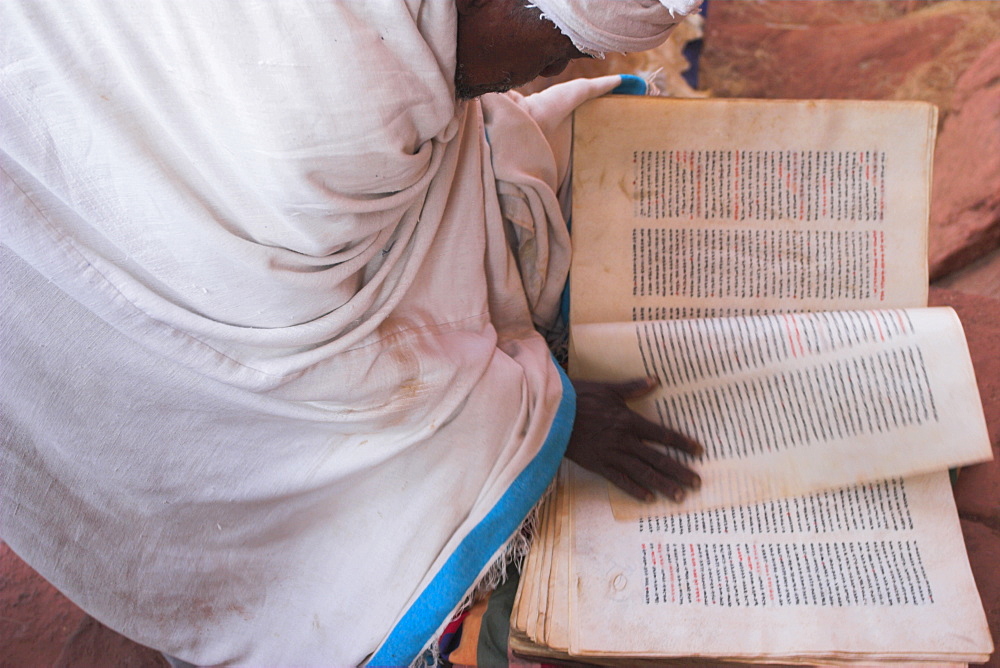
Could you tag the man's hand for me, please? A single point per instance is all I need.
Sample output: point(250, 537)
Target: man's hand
point(608, 439)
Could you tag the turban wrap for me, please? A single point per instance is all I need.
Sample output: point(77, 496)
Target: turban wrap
point(622, 26)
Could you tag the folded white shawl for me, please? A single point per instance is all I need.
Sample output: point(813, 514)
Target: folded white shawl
point(619, 26)
point(271, 393)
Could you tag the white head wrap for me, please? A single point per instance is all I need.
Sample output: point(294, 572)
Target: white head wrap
point(622, 26)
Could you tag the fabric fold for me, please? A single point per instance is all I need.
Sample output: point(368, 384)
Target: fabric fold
point(271, 377)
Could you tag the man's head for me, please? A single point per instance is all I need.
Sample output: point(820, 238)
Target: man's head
point(507, 43)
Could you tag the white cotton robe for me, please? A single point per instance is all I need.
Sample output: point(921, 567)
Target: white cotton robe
point(272, 392)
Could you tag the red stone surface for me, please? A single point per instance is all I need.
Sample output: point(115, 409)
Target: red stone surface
point(983, 544)
point(793, 13)
point(93, 644)
point(977, 489)
point(867, 49)
point(982, 277)
point(41, 627)
point(965, 201)
point(35, 619)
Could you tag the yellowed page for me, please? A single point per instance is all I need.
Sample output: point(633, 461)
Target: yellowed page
point(525, 600)
point(705, 208)
point(789, 404)
point(536, 620)
point(557, 620)
point(875, 572)
point(541, 605)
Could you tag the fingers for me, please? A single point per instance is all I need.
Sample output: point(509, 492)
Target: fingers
point(636, 388)
point(661, 472)
point(611, 440)
point(643, 471)
point(639, 479)
point(624, 482)
point(647, 430)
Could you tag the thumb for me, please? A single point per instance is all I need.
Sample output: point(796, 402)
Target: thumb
point(637, 387)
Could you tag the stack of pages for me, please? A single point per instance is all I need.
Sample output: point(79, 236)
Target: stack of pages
point(870, 573)
point(767, 262)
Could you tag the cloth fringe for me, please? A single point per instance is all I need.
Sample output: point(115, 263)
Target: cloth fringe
point(513, 552)
point(656, 81)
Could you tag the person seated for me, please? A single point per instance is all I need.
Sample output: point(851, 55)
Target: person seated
point(277, 276)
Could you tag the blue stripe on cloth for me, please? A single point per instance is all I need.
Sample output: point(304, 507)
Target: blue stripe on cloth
point(631, 85)
point(408, 638)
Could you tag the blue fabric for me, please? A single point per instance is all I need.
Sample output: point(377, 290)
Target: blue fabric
point(459, 573)
point(631, 85)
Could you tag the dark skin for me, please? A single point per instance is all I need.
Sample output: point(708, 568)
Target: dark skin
point(502, 44)
point(612, 440)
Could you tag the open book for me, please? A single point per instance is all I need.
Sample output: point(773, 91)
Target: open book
point(766, 260)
